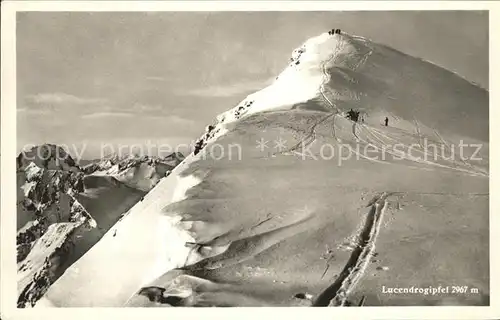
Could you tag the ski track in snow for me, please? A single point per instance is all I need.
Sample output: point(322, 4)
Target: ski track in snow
point(337, 293)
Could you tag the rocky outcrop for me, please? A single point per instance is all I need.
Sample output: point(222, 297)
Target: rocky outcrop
point(45, 196)
point(46, 199)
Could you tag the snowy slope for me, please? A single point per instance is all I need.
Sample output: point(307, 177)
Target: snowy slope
point(290, 224)
point(60, 205)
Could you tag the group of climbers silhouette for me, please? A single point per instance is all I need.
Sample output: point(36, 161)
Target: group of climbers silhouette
point(334, 31)
point(353, 115)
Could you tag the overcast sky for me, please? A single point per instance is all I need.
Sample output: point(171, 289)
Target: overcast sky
point(127, 78)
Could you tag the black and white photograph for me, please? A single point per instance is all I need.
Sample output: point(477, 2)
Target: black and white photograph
point(248, 158)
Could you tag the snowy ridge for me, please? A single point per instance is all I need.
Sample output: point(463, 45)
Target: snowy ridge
point(153, 241)
point(302, 80)
point(46, 237)
point(152, 238)
point(299, 82)
point(145, 223)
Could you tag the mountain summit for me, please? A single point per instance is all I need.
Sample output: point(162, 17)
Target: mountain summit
point(315, 209)
point(139, 172)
